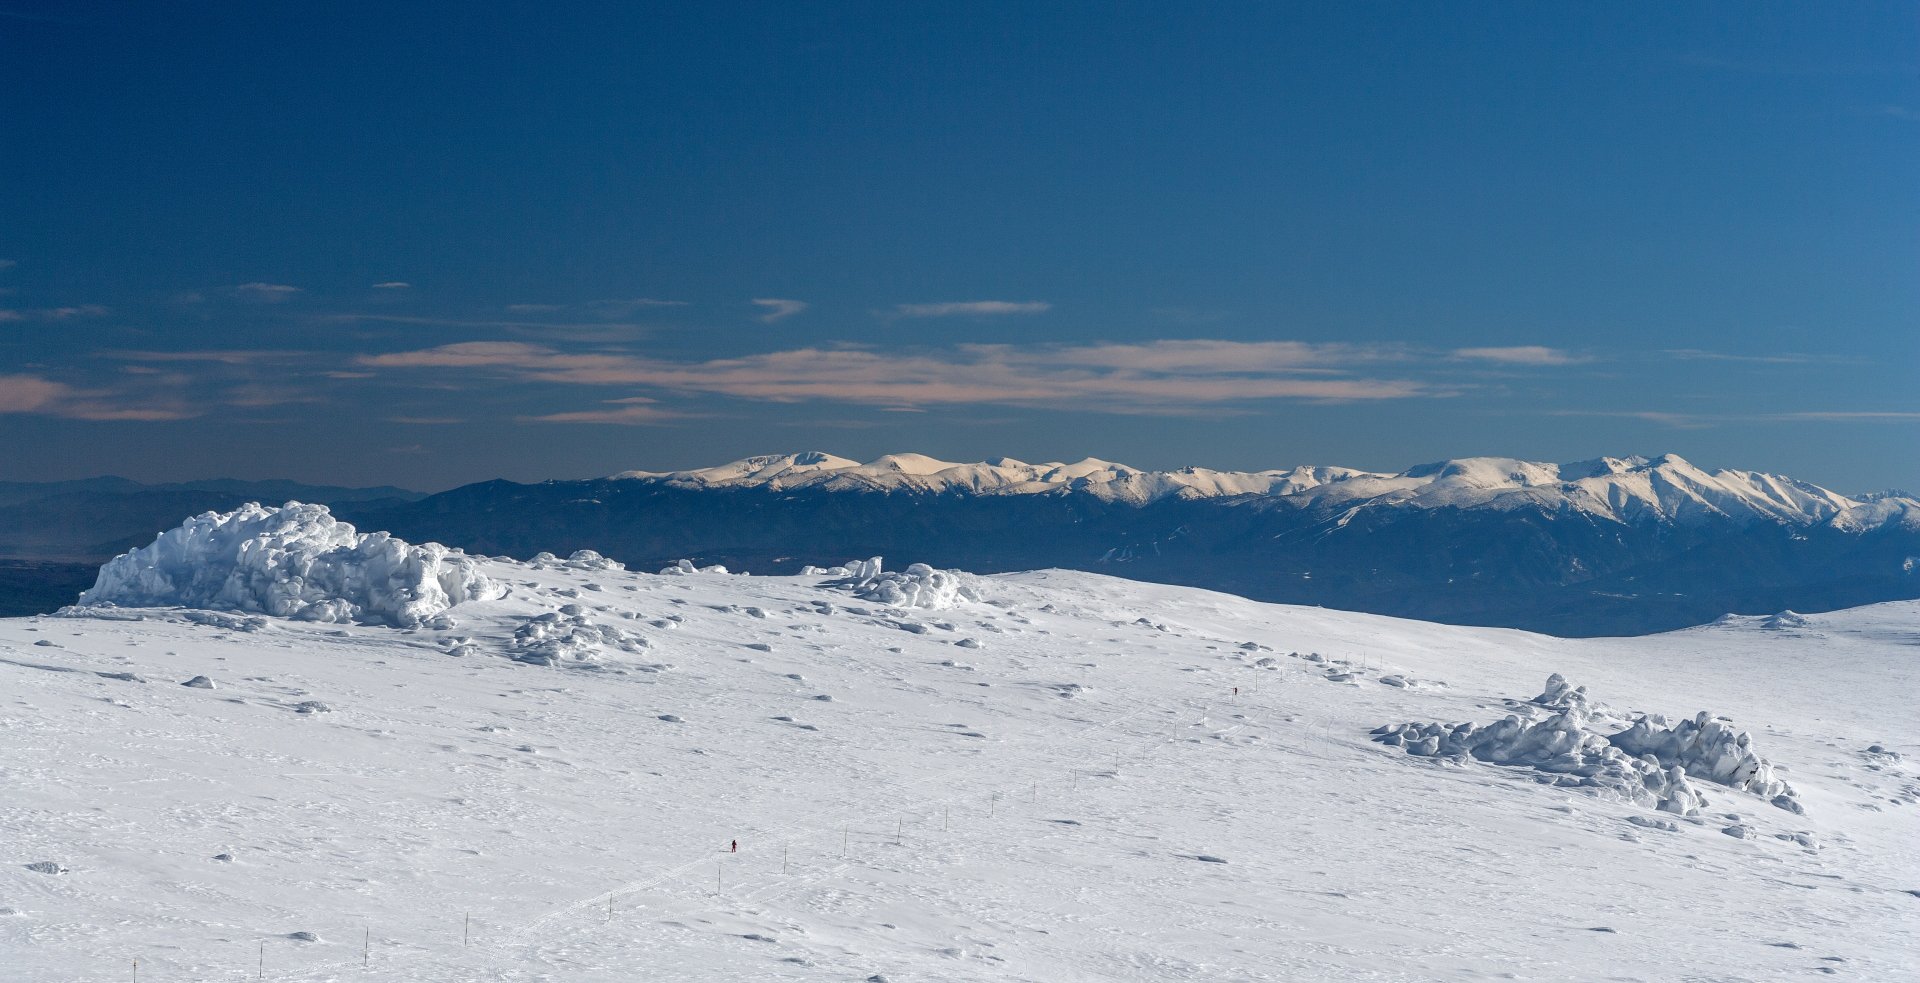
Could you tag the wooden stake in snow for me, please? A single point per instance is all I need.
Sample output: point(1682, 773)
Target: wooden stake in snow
point(466, 929)
point(899, 827)
point(993, 805)
point(260, 968)
point(366, 949)
point(136, 971)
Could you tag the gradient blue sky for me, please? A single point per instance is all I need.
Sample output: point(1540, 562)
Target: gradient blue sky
point(430, 243)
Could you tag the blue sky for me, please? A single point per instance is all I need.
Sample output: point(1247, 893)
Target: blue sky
point(426, 244)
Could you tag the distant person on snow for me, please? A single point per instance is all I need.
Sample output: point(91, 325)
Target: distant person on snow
point(735, 848)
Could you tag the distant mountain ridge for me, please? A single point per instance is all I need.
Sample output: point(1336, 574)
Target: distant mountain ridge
point(1610, 546)
point(1622, 489)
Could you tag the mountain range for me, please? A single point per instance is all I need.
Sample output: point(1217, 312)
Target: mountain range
point(1602, 547)
point(1611, 546)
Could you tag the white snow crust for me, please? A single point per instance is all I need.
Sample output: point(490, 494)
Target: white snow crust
point(295, 561)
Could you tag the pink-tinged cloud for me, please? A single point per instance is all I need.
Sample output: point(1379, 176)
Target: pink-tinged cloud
point(1155, 376)
point(973, 308)
point(1519, 355)
point(47, 397)
point(635, 411)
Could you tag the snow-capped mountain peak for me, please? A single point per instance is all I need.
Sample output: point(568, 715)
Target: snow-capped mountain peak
point(1667, 488)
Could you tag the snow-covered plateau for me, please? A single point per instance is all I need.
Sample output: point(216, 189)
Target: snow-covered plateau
point(273, 747)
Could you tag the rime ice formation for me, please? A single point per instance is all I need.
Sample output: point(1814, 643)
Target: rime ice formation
point(584, 560)
point(569, 636)
point(297, 562)
point(919, 586)
point(1648, 763)
point(685, 568)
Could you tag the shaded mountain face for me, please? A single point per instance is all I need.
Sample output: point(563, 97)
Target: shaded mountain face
point(1614, 546)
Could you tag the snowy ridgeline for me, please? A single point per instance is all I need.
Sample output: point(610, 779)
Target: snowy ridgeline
point(1647, 762)
point(299, 562)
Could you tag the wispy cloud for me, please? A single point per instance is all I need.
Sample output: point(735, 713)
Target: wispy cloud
point(222, 357)
point(1520, 355)
point(55, 313)
point(271, 293)
point(973, 308)
point(779, 309)
point(426, 421)
point(8, 264)
point(584, 331)
point(1152, 376)
point(47, 397)
point(1697, 421)
point(393, 285)
point(602, 309)
point(635, 411)
point(1779, 358)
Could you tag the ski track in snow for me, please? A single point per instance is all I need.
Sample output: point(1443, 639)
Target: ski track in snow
point(1051, 825)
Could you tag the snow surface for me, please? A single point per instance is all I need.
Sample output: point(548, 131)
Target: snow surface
point(1667, 488)
point(1053, 778)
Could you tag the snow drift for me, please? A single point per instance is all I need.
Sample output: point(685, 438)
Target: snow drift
point(296, 561)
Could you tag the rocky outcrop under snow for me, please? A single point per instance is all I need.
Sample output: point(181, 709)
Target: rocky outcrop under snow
point(296, 561)
point(1648, 763)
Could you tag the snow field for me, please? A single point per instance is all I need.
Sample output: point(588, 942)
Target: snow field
point(1077, 795)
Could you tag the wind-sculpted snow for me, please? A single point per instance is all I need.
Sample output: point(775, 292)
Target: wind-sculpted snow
point(583, 560)
point(296, 562)
point(919, 586)
point(569, 637)
point(685, 568)
point(1648, 763)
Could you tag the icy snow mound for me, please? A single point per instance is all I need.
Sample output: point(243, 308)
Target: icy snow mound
point(685, 568)
point(296, 561)
point(583, 560)
point(569, 637)
point(1649, 763)
point(919, 586)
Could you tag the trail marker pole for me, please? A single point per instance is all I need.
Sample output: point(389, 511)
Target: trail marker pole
point(609, 907)
point(260, 968)
point(946, 817)
point(783, 859)
point(1035, 800)
point(717, 867)
point(843, 842)
point(466, 929)
point(899, 827)
point(366, 949)
point(136, 971)
point(993, 805)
